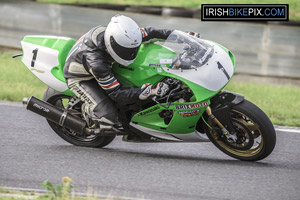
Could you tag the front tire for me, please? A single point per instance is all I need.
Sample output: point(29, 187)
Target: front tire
point(59, 100)
point(255, 134)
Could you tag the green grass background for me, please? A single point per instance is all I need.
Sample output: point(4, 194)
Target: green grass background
point(281, 103)
point(294, 5)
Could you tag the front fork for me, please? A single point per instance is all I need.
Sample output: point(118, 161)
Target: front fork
point(213, 118)
point(230, 136)
point(221, 106)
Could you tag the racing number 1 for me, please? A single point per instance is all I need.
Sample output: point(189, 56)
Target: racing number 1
point(34, 57)
point(220, 66)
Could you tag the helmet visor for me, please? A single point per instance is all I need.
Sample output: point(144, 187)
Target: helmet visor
point(123, 52)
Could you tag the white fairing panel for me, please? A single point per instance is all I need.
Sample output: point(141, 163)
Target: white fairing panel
point(159, 134)
point(188, 137)
point(211, 75)
point(41, 66)
point(212, 68)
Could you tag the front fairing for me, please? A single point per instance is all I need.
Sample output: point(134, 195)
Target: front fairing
point(201, 62)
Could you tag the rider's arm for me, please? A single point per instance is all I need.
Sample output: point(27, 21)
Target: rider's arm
point(100, 67)
point(149, 33)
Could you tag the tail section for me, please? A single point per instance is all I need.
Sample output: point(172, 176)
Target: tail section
point(45, 57)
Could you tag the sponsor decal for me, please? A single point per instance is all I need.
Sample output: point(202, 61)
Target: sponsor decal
point(154, 65)
point(37, 70)
point(82, 94)
point(161, 65)
point(41, 107)
point(149, 111)
point(189, 113)
point(155, 139)
point(191, 106)
point(165, 61)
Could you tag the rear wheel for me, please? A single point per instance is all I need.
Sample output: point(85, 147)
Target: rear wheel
point(254, 136)
point(61, 100)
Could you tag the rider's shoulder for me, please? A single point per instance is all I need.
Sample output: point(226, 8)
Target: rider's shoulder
point(95, 35)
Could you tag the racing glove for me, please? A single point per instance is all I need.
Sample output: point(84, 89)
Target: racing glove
point(197, 35)
point(159, 89)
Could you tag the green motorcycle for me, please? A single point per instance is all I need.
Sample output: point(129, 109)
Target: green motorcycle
point(196, 109)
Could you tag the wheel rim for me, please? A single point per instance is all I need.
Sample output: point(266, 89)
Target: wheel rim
point(252, 143)
point(61, 102)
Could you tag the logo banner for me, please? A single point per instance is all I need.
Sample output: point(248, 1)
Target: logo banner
point(245, 12)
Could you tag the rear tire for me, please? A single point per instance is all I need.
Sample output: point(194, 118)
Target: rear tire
point(55, 98)
point(256, 137)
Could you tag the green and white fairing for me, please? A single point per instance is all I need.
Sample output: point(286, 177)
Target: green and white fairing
point(45, 57)
point(203, 66)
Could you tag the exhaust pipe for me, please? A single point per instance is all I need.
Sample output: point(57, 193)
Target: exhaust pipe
point(56, 115)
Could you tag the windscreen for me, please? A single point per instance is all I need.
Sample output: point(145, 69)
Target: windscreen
point(192, 52)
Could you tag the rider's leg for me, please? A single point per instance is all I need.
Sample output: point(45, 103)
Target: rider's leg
point(98, 105)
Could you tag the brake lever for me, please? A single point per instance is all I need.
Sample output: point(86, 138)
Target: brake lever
point(168, 97)
point(155, 100)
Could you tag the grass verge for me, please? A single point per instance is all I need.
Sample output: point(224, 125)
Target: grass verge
point(280, 103)
point(6, 194)
point(294, 5)
point(59, 192)
point(16, 81)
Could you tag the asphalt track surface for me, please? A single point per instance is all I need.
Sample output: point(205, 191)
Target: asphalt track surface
point(30, 153)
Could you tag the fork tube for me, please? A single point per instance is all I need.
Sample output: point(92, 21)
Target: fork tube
point(212, 117)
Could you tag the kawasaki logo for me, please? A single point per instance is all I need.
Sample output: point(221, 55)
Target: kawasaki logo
point(149, 111)
point(191, 106)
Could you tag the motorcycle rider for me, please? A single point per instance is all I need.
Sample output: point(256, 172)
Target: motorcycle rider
point(88, 68)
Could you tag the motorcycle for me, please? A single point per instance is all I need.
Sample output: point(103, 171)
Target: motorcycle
point(196, 108)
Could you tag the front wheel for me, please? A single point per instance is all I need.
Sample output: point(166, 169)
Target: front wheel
point(254, 136)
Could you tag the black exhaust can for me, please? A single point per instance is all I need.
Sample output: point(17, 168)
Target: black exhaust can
point(57, 115)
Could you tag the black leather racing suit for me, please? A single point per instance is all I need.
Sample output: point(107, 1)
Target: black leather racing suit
point(88, 74)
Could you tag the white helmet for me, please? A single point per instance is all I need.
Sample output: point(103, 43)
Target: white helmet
point(122, 39)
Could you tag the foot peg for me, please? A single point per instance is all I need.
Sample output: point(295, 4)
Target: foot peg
point(104, 132)
point(100, 132)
